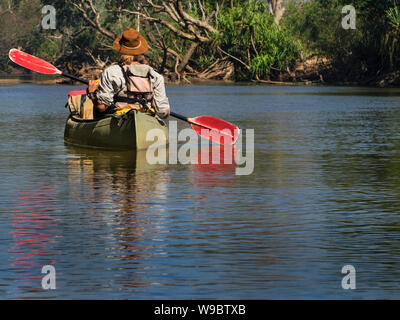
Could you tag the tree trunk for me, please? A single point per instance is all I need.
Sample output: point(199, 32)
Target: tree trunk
point(276, 8)
point(187, 57)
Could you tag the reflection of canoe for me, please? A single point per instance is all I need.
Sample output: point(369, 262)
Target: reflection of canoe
point(120, 132)
point(109, 161)
point(123, 180)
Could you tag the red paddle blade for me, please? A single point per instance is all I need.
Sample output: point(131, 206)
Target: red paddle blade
point(32, 63)
point(215, 129)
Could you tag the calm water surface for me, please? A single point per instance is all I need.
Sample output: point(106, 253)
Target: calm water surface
point(325, 192)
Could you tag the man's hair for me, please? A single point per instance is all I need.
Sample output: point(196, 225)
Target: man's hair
point(128, 59)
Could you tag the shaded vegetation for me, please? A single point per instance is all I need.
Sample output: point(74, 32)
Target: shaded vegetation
point(216, 39)
point(367, 52)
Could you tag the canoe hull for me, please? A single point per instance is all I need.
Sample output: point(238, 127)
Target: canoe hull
point(115, 132)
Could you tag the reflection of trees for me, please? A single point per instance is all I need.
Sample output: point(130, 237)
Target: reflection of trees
point(362, 151)
point(360, 164)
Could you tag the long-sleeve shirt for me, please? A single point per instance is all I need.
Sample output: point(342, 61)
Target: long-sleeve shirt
point(112, 81)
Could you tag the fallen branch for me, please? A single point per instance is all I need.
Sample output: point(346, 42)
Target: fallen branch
point(233, 57)
point(275, 82)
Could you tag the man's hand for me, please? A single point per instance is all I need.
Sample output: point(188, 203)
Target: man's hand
point(93, 85)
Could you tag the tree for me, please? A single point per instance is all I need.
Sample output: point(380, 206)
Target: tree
point(19, 20)
point(368, 51)
point(276, 8)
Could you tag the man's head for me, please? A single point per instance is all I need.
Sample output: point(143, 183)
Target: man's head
point(130, 43)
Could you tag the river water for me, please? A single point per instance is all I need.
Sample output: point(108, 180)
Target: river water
point(324, 193)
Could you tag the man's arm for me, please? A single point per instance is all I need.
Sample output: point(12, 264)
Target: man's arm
point(160, 97)
point(110, 83)
point(92, 89)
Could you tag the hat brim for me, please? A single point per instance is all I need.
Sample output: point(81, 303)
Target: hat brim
point(132, 52)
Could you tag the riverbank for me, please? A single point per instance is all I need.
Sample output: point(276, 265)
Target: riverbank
point(19, 81)
point(313, 71)
point(321, 71)
point(387, 82)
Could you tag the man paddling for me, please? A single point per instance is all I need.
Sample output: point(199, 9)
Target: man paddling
point(130, 84)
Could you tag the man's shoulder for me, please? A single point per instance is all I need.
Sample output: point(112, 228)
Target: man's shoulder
point(112, 69)
point(140, 70)
point(154, 74)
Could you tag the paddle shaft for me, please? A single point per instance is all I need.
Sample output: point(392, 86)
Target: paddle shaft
point(178, 116)
point(67, 75)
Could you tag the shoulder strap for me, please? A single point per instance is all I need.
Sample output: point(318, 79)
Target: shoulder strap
point(124, 73)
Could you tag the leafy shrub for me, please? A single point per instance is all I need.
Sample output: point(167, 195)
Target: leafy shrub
point(249, 33)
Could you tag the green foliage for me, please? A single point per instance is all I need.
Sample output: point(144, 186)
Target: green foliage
point(390, 47)
point(373, 46)
point(393, 15)
point(19, 20)
point(249, 33)
point(203, 61)
point(317, 24)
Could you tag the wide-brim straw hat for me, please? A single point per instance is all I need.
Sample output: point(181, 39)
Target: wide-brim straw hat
point(131, 42)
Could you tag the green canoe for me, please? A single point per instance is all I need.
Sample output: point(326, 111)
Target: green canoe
point(115, 132)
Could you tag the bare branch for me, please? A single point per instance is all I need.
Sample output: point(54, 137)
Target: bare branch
point(203, 14)
point(150, 2)
point(190, 19)
point(95, 24)
point(172, 13)
point(179, 33)
point(233, 57)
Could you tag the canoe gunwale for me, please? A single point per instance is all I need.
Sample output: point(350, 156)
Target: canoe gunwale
point(79, 119)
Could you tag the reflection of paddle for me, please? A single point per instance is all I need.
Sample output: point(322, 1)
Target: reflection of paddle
point(211, 128)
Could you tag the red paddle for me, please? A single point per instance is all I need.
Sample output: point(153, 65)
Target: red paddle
point(213, 129)
point(38, 65)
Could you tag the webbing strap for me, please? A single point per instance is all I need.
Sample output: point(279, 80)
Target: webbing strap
point(142, 101)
